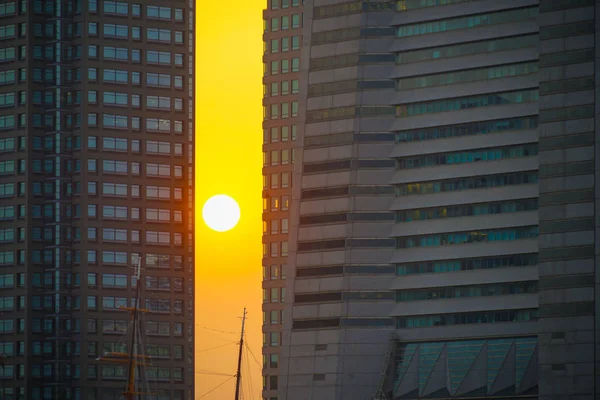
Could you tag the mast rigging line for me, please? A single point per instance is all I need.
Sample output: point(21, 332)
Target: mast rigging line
point(215, 330)
point(215, 388)
point(253, 356)
point(216, 347)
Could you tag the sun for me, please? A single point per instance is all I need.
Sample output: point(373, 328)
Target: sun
point(221, 213)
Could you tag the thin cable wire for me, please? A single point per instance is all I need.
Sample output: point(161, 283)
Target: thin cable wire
point(215, 330)
point(212, 373)
point(253, 357)
point(215, 388)
point(248, 369)
point(215, 347)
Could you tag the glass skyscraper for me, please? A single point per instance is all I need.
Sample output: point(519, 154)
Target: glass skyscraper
point(443, 236)
point(96, 171)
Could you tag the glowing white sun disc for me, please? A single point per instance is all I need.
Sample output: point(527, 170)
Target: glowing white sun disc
point(221, 213)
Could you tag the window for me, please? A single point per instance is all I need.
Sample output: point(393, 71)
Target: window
point(7, 31)
point(116, 8)
point(158, 57)
point(115, 76)
point(156, 12)
point(115, 99)
point(114, 144)
point(92, 28)
point(472, 75)
point(161, 148)
point(7, 54)
point(486, 181)
point(158, 35)
point(158, 124)
point(179, 14)
point(116, 53)
point(116, 31)
point(472, 21)
point(158, 170)
point(116, 235)
point(158, 215)
point(114, 121)
point(115, 257)
point(114, 281)
point(158, 192)
point(158, 102)
point(458, 238)
point(467, 49)
point(158, 80)
point(474, 128)
point(486, 100)
point(160, 238)
point(156, 328)
point(114, 167)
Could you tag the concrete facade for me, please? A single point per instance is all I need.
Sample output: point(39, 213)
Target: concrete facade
point(283, 21)
point(445, 211)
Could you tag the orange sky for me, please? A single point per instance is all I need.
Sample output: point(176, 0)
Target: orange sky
point(228, 161)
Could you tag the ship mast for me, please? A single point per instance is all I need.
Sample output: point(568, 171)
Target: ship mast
point(133, 360)
point(238, 375)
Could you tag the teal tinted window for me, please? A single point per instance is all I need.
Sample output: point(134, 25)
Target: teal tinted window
point(517, 260)
point(467, 291)
point(474, 128)
point(472, 21)
point(484, 317)
point(415, 362)
point(463, 103)
point(404, 5)
point(477, 182)
point(471, 156)
point(458, 238)
point(466, 49)
point(471, 75)
point(466, 210)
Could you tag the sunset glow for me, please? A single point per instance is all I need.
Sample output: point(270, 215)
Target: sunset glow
point(229, 161)
point(221, 213)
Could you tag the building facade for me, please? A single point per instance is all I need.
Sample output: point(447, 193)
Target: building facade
point(282, 39)
point(443, 239)
point(96, 123)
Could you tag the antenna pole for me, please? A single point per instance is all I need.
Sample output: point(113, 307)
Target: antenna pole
point(238, 375)
point(130, 394)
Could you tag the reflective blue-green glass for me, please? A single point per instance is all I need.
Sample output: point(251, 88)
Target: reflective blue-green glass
point(461, 356)
point(471, 75)
point(478, 182)
point(469, 22)
point(479, 317)
point(454, 292)
point(464, 103)
point(474, 128)
point(458, 238)
point(466, 49)
point(434, 267)
point(524, 350)
point(469, 156)
point(404, 5)
point(428, 356)
point(466, 210)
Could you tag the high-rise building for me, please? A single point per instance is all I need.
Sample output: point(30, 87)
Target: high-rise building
point(282, 41)
point(96, 165)
point(444, 227)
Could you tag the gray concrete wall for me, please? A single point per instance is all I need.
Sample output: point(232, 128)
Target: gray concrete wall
point(344, 361)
